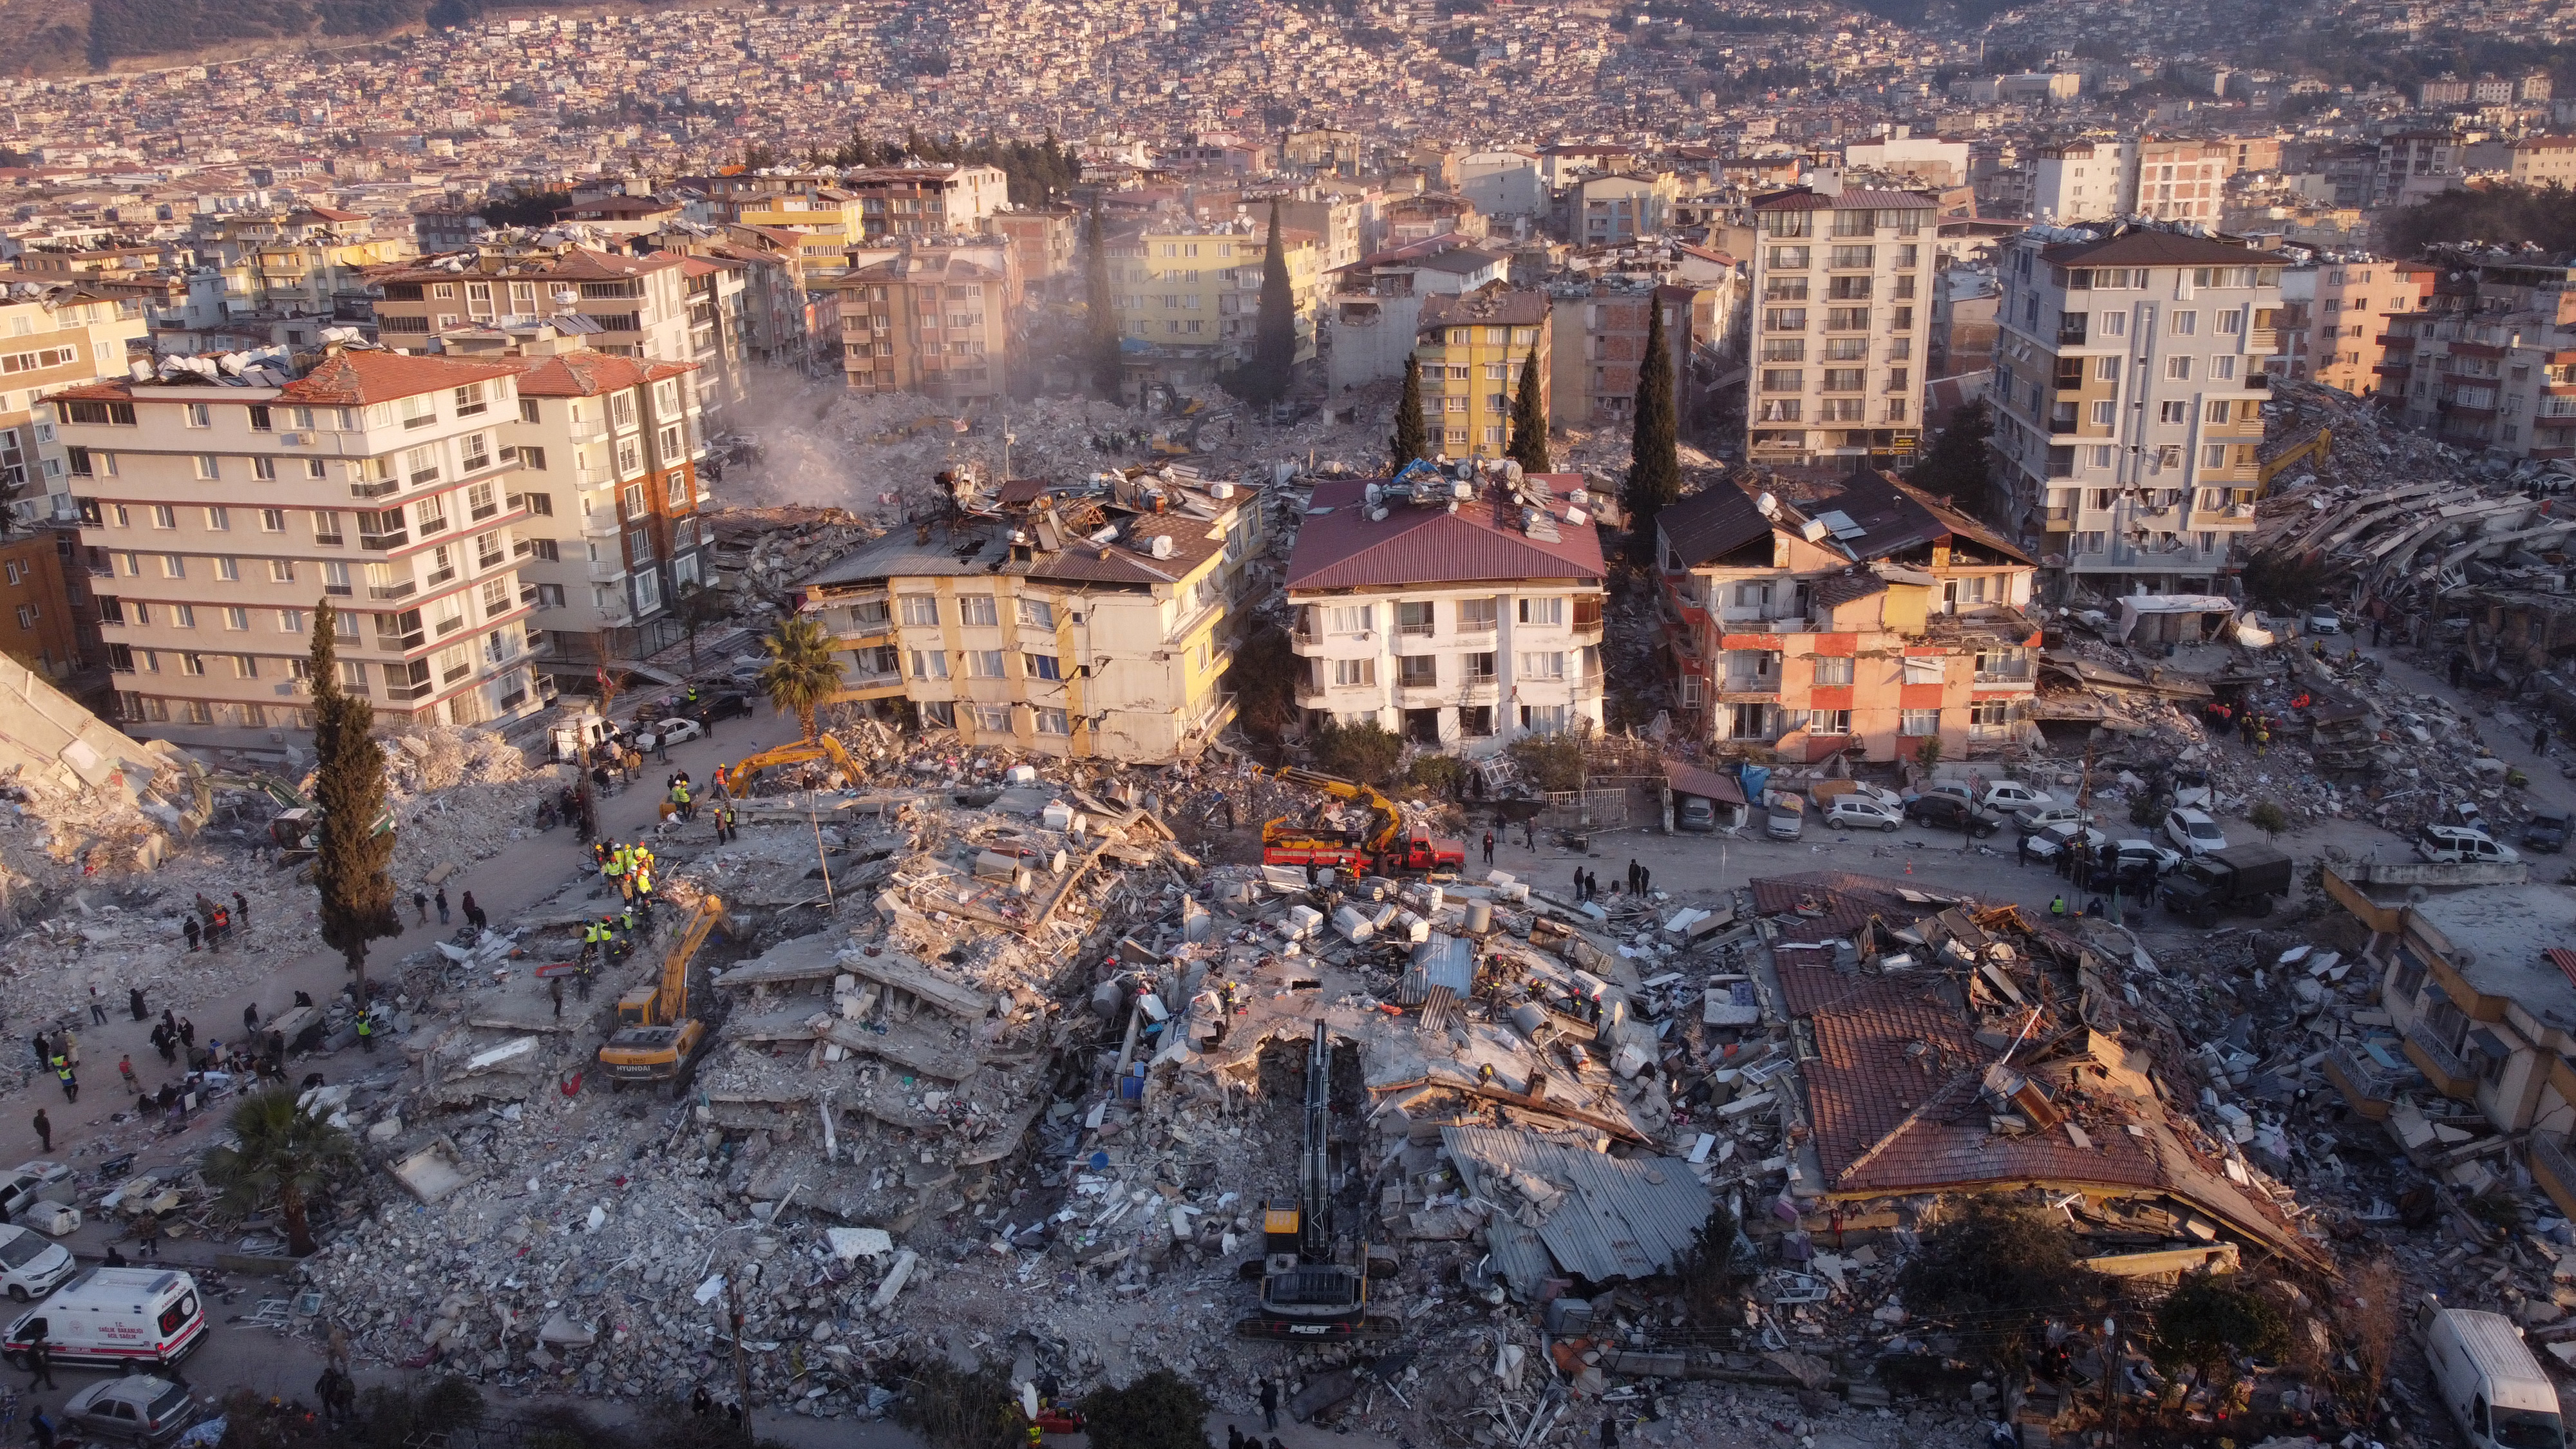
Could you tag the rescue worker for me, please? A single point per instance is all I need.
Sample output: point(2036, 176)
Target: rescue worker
point(591, 941)
point(367, 1028)
point(2057, 906)
point(62, 1066)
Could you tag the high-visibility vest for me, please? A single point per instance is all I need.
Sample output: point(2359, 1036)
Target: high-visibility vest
point(366, 1024)
point(590, 934)
point(614, 865)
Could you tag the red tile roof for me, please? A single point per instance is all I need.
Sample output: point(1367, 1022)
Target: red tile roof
point(1481, 542)
point(1852, 199)
point(588, 374)
point(358, 378)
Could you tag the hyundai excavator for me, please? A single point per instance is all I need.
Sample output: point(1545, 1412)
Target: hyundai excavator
point(822, 747)
point(1307, 1297)
point(656, 1038)
point(1385, 847)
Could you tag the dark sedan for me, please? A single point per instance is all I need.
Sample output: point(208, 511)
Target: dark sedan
point(1949, 812)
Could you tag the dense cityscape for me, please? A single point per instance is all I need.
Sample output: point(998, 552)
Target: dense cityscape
point(1158, 554)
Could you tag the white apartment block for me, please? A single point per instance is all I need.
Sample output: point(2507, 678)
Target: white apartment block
point(2129, 380)
point(1462, 629)
point(2105, 180)
point(54, 334)
point(217, 514)
point(1842, 289)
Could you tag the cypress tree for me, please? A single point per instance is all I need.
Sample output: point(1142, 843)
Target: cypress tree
point(1104, 315)
point(1654, 459)
point(1411, 439)
point(1529, 420)
point(351, 869)
point(1274, 338)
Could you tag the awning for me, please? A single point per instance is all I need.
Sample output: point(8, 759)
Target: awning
point(1691, 780)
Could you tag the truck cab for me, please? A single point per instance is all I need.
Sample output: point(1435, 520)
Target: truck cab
point(1428, 853)
point(2241, 879)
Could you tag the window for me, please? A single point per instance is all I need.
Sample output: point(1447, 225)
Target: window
point(974, 609)
point(1352, 619)
point(1829, 721)
point(1544, 613)
point(1542, 664)
point(173, 566)
point(1418, 671)
point(1351, 673)
point(198, 416)
point(922, 609)
point(1051, 721)
point(2186, 324)
point(1833, 669)
point(2178, 369)
point(290, 621)
point(1480, 668)
point(1040, 666)
point(983, 663)
point(1544, 719)
point(245, 666)
point(2106, 369)
point(1476, 615)
point(264, 469)
point(2214, 411)
point(1918, 722)
point(26, 616)
point(469, 400)
point(209, 466)
point(2213, 455)
point(228, 569)
point(929, 664)
point(2222, 369)
point(192, 663)
point(2173, 412)
point(1037, 614)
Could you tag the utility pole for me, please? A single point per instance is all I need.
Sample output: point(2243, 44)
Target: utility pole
point(741, 1363)
point(816, 820)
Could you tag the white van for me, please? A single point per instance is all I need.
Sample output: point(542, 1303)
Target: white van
point(113, 1316)
point(2488, 1378)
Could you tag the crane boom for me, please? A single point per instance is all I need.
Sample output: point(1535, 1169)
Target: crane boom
point(1314, 1188)
point(1384, 846)
point(823, 747)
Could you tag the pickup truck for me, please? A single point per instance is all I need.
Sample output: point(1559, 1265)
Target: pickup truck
point(2241, 878)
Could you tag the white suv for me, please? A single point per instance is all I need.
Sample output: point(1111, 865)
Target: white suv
point(31, 1264)
point(2194, 832)
point(2458, 844)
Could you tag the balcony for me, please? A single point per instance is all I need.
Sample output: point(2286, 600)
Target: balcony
point(381, 542)
point(2057, 520)
point(2062, 424)
point(2440, 1065)
point(2553, 1172)
point(384, 592)
point(379, 489)
point(604, 570)
point(1310, 694)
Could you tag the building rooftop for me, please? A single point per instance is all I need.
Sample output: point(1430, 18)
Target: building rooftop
point(1806, 198)
point(2157, 247)
point(1341, 547)
point(2502, 935)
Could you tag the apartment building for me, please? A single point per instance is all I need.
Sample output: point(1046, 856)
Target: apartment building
point(2335, 311)
point(2104, 179)
point(215, 514)
point(314, 262)
point(2414, 166)
point(1046, 241)
point(2497, 369)
point(2128, 391)
point(2544, 161)
point(900, 201)
point(1614, 210)
point(1189, 296)
point(608, 452)
point(1076, 625)
point(1841, 291)
point(931, 320)
point(55, 333)
point(2479, 1006)
point(37, 626)
point(1599, 343)
point(1471, 349)
point(1860, 616)
point(1462, 622)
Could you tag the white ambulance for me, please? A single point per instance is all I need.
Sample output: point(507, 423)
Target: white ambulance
point(111, 1317)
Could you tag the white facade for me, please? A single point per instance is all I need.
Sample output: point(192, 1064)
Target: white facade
point(1466, 666)
point(2084, 181)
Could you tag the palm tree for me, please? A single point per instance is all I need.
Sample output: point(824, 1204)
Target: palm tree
point(286, 1155)
point(801, 673)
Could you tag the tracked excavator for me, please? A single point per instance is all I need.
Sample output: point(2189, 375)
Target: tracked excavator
point(656, 1038)
point(1385, 847)
point(823, 747)
point(1306, 1296)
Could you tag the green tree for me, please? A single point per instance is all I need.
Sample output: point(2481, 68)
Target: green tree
point(1529, 420)
point(2003, 1266)
point(2269, 818)
point(1706, 1276)
point(952, 1408)
point(1954, 467)
point(1654, 458)
point(1549, 762)
point(1264, 678)
point(697, 608)
point(1928, 753)
point(801, 672)
point(2206, 1321)
point(282, 1155)
point(1366, 752)
point(1105, 366)
point(352, 868)
point(1161, 1410)
point(1411, 440)
point(1264, 379)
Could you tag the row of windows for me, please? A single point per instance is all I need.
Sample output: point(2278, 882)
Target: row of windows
point(1422, 671)
point(1472, 616)
point(995, 718)
point(1829, 410)
point(984, 664)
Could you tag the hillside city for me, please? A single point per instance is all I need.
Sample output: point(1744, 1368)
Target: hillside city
point(1159, 554)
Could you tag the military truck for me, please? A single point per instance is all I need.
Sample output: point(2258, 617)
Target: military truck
point(2241, 879)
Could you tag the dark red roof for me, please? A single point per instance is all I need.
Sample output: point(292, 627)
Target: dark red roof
point(1852, 199)
point(588, 374)
point(369, 377)
point(1481, 542)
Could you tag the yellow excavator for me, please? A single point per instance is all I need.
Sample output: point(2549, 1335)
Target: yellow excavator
point(656, 1038)
point(2315, 447)
point(823, 747)
point(1385, 847)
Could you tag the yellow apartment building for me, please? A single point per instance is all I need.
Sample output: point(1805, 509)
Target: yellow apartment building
point(1471, 348)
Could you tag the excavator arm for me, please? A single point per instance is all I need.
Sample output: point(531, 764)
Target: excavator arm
point(738, 774)
point(671, 1003)
point(1390, 824)
point(2314, 447)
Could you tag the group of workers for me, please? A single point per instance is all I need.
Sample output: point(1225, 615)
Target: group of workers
point(629, 868)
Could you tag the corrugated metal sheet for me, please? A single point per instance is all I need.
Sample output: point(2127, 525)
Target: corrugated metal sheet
point(1630, 1218)
point(1440, 961)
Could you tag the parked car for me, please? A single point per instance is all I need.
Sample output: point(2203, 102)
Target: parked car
point(2547, 830)
point(140, 1410)
point(2192, 788)
point(2035, 818)
point(717, 704)
point(1696, 813)
point(1952, 812)
point(2460, 845)
point(2055, 839)
point(671, 731)
point(1862, 812)
point(2194, 832)
point(2322, 620)
point(31, 1264)
point(2143, 854)
point(1825, 792)
point(1788, 816)
point(1954, 789)
point(2008, 796)
point(19, 1191)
